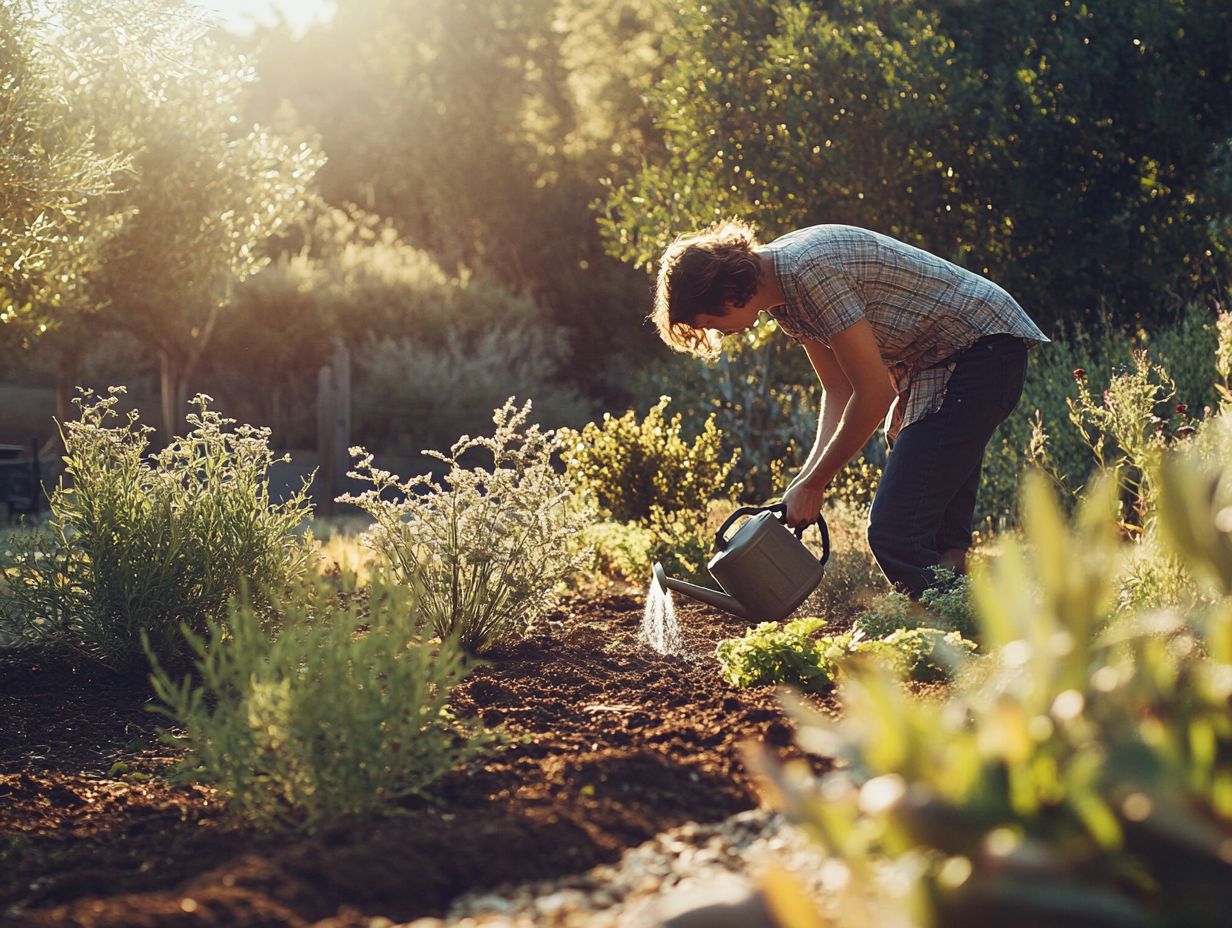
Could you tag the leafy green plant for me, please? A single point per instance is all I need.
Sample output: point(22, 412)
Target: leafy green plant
point(621, 550)
point(628, 467)
point(683, 542)
point(138, 546)
point(1080, 775)
point(926, 655)
point(945, 605)
point(888, 613)
point(486, 546)
point(793, 652)
point(340, 713)
point(778, 652)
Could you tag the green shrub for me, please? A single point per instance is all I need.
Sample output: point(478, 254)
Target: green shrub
point(342, 712)
point(764, 399)
point(627, 467)
point(683, 542)
point(1076, 777)
point(621, 550)
point(486, 546)
point(1187, 352)
point(792, 652)
point(137, 546)
point(945, 605)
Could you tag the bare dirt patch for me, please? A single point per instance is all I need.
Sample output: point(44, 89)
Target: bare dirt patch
point(609, 745)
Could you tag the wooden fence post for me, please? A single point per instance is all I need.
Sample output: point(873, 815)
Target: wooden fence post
point(333, 427)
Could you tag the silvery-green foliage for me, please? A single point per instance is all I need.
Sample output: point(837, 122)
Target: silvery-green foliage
point(139, 545)
point(486, 546)
point(340, 713)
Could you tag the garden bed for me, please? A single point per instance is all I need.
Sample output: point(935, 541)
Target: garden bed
point(609, 745)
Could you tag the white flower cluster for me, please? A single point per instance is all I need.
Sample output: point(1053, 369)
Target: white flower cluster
point(486, 546)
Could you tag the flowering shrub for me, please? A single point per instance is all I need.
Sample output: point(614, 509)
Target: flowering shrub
point(137, 547)
point(486, 547)
point(341, 712)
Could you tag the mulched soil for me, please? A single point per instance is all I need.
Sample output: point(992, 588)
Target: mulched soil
point(608, 745)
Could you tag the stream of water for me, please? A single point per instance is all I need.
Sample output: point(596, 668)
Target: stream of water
point(660, 630)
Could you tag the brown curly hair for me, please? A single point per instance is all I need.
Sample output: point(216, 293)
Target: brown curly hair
point(700, 273)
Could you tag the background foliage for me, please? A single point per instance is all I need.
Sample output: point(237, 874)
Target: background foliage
point(927, 122)
point(448, 155)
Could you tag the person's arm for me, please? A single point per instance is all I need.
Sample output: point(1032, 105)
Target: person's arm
point(857, 356)
point(836, 391)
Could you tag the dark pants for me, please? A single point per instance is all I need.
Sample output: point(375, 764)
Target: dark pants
point(925, 501)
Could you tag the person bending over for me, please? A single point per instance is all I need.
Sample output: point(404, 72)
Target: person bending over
point(895, 334)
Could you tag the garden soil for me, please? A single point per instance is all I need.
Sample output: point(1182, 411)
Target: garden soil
point(608, 744)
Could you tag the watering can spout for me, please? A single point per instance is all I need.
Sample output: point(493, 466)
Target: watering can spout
point(702, 593)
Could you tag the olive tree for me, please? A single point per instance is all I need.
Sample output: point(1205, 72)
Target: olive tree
point(50, 168)
point(207, 195)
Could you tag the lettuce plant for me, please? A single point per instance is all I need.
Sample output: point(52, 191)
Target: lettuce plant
point(794, 653)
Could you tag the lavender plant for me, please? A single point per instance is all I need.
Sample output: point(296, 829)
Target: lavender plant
point(138, 546)
point(487, 547)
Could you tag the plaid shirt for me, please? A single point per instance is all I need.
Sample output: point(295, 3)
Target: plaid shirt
point(922, 310)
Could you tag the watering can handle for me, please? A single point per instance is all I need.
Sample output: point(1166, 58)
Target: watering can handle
point(779, 509)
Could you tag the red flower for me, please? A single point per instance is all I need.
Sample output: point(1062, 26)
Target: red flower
point(1182, 408)
point(1079, 373)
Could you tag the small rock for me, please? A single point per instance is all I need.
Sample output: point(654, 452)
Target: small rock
point(728, 902)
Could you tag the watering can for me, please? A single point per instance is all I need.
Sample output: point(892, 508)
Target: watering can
point(765, 570)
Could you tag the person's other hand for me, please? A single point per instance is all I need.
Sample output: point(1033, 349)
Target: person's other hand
point(803, 504)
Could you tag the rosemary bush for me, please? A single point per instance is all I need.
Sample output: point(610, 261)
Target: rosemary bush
point(486, 546)
point(341, 712)
point(138, 546)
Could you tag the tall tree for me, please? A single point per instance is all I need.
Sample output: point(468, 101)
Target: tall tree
point(1068, 150)
point(206, 197)
point(99, 62)
point(50, 169)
